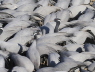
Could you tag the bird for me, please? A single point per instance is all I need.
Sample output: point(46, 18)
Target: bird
point(46, 69)
point(86, 1)
point(1, 31)
point(47, 36)
point(10, 29)
point(43, 3)
point(24, 17)
point(44, 11)
point(81, 34)
point(33, 55)
point(89, 47)
point(77, 2)
point(22, 2)
point(85, 17)
point(5, 54)
point(2, 62)
point(91, 67)
point(74, 12)
point(18, 69)
point(89, 29)
point(52, 38)
point(23, 36)
point(64, 4)
point(4, 15)
point(49, 48)
point(53, 59)
point(74, 47)
point(48, 28)
point(28, 7)
point(82, 56)
point(68, 53)
point(66, 66)
point(63, 15)
point(22, 61)
point(9, 4)
point(12, 47)
point(70, 30)
point(3, 70)
point(57, 24)
point(50, 18)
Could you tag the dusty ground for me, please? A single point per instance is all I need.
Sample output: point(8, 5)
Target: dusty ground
point(91, 2)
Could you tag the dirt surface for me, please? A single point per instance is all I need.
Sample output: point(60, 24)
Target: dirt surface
point(92, 1)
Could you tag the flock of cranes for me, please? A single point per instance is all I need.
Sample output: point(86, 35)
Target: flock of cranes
point(47, 36)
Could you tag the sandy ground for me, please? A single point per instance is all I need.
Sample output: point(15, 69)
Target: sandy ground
point(92, 1)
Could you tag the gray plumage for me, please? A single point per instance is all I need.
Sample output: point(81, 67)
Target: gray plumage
point(34, 55)
point(22, 61)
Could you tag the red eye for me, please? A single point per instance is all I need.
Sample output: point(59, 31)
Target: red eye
point(56, 19)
